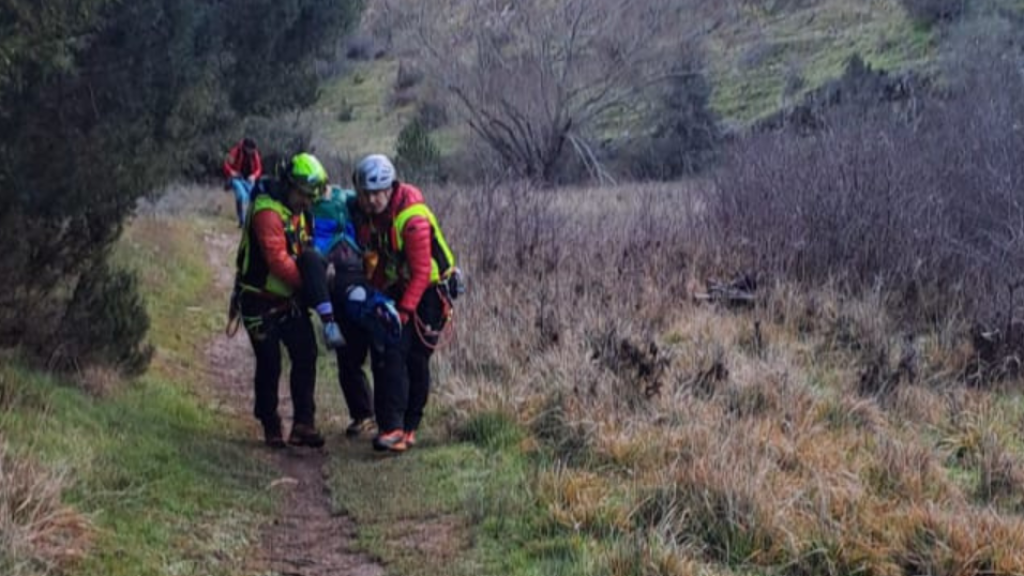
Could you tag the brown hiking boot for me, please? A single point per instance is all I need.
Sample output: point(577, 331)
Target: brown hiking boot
point(358, 427)
point(305, 435)
point(272, 434)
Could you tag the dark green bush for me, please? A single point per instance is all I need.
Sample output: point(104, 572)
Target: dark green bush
point(105, 323)
point(418, 157)
point(686, 134)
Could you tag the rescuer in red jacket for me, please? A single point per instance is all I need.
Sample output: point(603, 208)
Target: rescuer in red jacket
point(415, 267)
point(242, 168)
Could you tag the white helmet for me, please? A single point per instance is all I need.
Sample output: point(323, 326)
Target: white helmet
point(375, 172)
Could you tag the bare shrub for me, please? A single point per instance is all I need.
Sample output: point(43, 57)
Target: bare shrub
point(38, 533)
point(583, 60)
point(925, 211)
point(542, 291)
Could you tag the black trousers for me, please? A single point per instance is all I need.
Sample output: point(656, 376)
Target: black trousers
point(313, 269)
point(401, 373)
point(351, 377)
point(348, 271)
point(270, 324)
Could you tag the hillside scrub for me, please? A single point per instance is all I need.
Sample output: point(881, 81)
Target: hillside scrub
point(807, 434)
point(922, 207)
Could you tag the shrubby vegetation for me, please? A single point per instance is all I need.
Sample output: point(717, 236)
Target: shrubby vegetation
point(584, 72)
point(417, 157)
point(99, 102)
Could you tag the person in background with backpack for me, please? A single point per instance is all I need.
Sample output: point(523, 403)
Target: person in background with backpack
point(242, 168)
point(416, 268)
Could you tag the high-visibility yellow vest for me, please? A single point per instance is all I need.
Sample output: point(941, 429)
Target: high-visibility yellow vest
point(254, 273)
point(442, 261)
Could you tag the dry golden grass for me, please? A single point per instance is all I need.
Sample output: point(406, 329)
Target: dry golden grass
point(805, 434)
point(38, 533)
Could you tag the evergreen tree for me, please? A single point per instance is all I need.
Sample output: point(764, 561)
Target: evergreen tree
point(102, 100)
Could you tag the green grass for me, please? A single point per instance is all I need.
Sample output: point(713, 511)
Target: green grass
point(751, 57)
point(375, 122)
point(170, 486)
point(455, 507)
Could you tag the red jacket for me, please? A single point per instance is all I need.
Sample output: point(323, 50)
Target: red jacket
point(417, 238)
point(238, 162)
point(269, 232)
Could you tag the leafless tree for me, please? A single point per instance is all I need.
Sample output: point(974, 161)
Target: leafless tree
point(537, 80)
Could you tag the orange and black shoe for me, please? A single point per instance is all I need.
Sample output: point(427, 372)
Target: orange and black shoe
point(393, 441)
point(305, 435)
point(410, 438)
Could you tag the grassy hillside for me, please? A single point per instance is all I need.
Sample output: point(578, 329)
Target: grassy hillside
point(355, 112)
point(758, 60)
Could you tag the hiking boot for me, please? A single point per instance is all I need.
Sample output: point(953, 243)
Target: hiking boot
point(358, 426)
point(305, 435)
point(332, 335)
point(272, 434)
point(410, 438)
point(393, 441)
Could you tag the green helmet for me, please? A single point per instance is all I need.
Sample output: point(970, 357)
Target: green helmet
point(307, 174)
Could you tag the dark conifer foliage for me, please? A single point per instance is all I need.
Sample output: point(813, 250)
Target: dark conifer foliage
point(103, 100)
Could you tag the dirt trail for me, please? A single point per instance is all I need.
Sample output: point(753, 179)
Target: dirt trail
point(305, 538)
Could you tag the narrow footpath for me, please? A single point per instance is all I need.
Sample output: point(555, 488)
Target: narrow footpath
point(305, 537)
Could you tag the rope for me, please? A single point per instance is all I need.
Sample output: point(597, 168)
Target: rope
point(445, 335)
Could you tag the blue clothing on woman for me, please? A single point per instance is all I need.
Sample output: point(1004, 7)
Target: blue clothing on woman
point(334, 236)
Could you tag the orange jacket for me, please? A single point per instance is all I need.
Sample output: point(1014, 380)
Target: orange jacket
point(269, 232)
